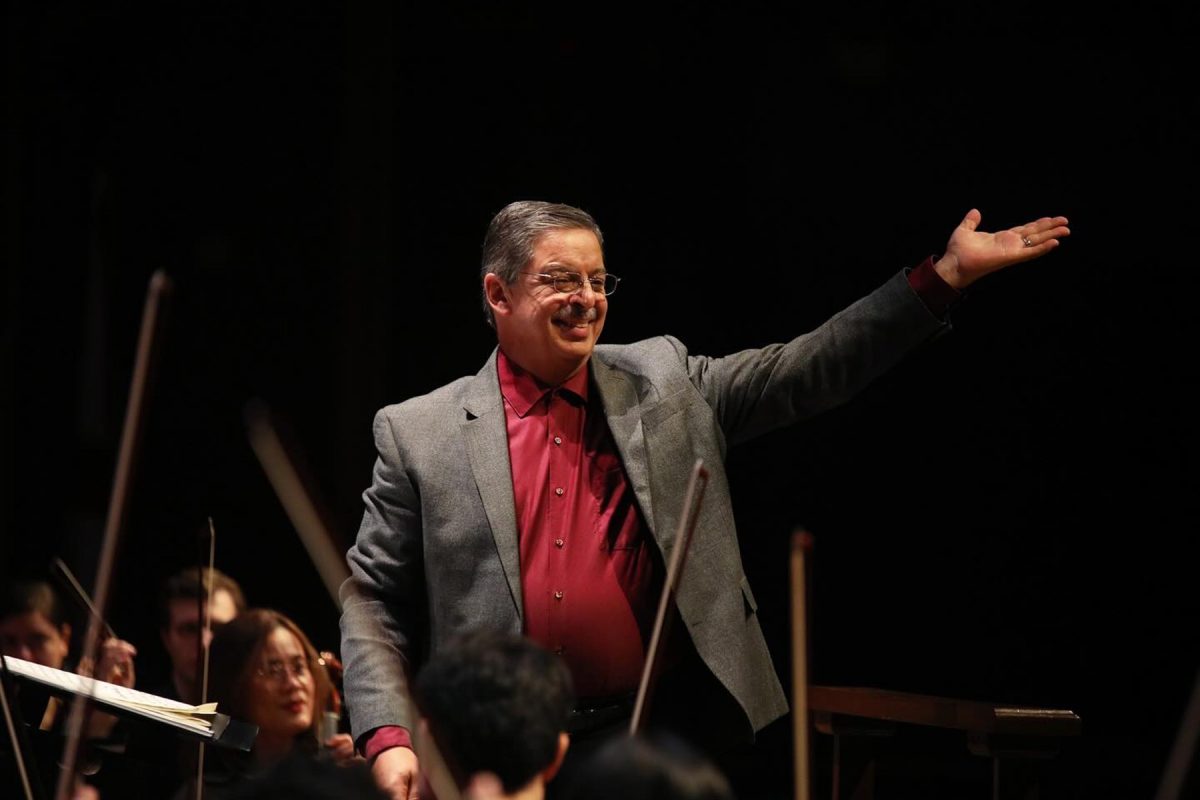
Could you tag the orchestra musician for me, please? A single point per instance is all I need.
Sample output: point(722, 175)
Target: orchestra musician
point(34, 626)
point(162, 763)
point(181, 624)
point(264, 670)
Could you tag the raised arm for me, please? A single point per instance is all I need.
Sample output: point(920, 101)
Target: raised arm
point(757, 390)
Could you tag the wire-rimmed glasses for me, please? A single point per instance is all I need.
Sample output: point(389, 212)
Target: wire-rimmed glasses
point(571, 282)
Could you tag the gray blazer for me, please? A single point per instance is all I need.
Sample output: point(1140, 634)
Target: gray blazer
point(437, 551)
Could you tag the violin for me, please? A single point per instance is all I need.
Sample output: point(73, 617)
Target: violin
point(331, 719)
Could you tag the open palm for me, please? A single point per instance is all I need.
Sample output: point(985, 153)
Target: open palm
point(972, 253)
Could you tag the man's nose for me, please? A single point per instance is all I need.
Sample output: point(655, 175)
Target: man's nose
point(585, 295)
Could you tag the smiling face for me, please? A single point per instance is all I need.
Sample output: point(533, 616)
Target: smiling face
point(282, 691)
point(551, 334)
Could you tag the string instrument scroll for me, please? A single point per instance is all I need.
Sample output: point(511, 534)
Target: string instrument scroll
point(205, 638)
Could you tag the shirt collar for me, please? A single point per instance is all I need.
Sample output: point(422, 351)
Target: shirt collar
point(522, 390)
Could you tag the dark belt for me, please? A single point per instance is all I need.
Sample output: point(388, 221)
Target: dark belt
point(591, 715)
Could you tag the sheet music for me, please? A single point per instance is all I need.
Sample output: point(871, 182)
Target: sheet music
point(197, 718)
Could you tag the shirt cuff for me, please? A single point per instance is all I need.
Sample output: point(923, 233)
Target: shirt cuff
point(937, 295)
point(376, 740)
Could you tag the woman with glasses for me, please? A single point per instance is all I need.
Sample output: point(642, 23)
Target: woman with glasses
point(263, 670)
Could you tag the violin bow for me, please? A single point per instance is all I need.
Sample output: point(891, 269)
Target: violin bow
point(1183, 751)
point(156, 294)
point(802, 544)
point(84, 602)
point(80, 596)
point(662, 622)
point(206, 616)
point(317, 537)
point(18, 742)
point(298, 501)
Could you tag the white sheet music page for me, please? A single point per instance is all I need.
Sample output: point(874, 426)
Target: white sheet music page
point(172, 711)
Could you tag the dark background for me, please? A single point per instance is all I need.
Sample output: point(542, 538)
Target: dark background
point(1006, 517)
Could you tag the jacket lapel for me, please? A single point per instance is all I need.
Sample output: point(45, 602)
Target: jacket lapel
point(624, 416)
point(487, 444)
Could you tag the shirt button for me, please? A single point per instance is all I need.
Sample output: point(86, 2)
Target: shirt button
point(558, 543)
point(559, 491)
point(558, 651)
point(558, 595)
point(558, 440)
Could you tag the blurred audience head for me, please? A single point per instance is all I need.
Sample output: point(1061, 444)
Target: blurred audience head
point(497, 703)
point(264, 670)
point(180, 621)
point(33, 623)
point(659, 767)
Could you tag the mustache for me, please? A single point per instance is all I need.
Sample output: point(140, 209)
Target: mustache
point(572, 314)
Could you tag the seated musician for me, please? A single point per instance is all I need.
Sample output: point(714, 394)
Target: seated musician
point(263, 670)
point(165, 761)
point(180, 626)
point(34, 626)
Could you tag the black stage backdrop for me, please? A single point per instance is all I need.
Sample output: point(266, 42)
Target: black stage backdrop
point(1006, 517)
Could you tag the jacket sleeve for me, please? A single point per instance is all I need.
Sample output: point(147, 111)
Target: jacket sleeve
point(754, 391)
point(383, 602)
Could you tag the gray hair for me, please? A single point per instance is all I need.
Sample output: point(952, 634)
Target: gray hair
point(514, 232)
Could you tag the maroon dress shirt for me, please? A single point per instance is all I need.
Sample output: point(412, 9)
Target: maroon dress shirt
point(589, 580)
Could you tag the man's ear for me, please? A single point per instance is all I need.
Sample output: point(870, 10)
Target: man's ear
point(564, 741)
point(496, 292)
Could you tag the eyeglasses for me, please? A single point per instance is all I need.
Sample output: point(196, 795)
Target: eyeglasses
point(278, 671)
point(572, 282)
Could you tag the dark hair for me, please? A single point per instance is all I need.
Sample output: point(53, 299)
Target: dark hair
point(233, 658)
point(495, 703)
point(190, 584)
point(28, 596)
point(514, 232)
point(661, 767)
